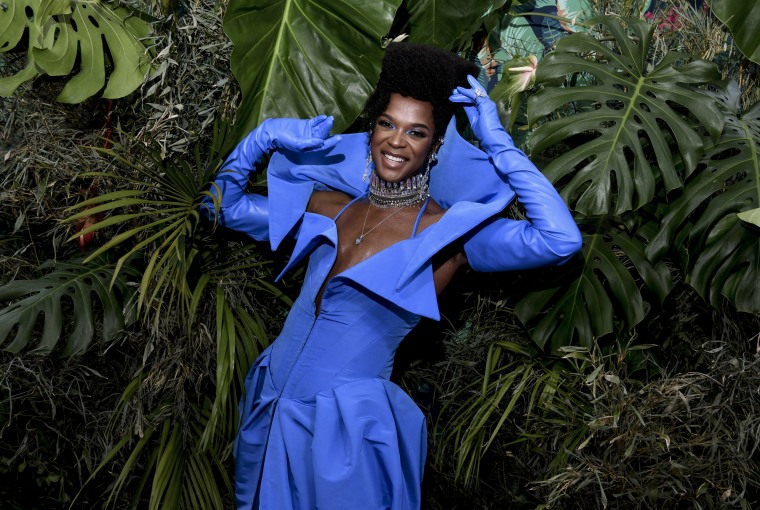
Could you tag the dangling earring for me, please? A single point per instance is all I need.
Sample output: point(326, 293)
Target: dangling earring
point(370, 132)
point(433, 158)
point(366, 167)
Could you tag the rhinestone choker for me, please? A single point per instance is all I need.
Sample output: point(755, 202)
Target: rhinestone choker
point(412, 191)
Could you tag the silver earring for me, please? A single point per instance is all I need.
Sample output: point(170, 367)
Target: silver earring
point(366, 167)
point(434, 154)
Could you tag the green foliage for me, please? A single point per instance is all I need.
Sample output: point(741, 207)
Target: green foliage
point(631, 106)
point(59, 31)
point(240, 337)
point(520, 75)
point(179, 476)
point(179, 463)
point(722, 253)
point(443, 23)
point(742, 18)
point(605, 288)
point(591, 429)
point(163, 203)
point(520, 386)
point(685, 440)
point(69, 288)
point(291, 56)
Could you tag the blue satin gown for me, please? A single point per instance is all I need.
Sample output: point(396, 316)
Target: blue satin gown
point(321, 425)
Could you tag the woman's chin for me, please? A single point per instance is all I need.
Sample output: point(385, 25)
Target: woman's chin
point(394, 175)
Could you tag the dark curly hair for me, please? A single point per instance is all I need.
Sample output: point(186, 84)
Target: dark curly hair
point(422, 72)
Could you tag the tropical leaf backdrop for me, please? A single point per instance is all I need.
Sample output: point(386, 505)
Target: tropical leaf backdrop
point(655, 155)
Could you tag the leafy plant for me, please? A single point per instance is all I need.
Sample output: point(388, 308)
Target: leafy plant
point(519, 387)
point(722, 247)
point(60, 32)
point(447, 24)
point(168, 193)
point(70, 283)
point(584, 308)
point(683, 440)
point(632, 107)
point(179, 462)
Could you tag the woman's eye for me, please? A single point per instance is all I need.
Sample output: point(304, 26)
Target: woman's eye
point(417, 134)
point(385, 124)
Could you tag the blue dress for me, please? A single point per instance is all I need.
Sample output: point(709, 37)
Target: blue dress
point(321, 425)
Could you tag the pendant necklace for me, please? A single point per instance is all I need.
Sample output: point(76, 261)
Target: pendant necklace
point(361, 237)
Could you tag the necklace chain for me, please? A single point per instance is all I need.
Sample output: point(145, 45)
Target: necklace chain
point(361, 237)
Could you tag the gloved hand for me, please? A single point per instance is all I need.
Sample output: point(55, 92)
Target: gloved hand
point(483, 116)
point(248, 212)
point(281, 134)
point(294, 134)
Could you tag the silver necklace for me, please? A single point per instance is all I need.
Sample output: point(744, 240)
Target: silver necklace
point(411, 191)
point(361, 237)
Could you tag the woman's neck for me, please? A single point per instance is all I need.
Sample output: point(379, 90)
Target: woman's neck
point(411, 191)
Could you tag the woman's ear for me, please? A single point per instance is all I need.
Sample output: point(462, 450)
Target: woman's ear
point(434, 149)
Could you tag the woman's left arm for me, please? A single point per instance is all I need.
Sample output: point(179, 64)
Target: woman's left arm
point(550, 235)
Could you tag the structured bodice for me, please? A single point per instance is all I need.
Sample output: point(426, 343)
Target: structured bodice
point(355, 334)
point(354, 337)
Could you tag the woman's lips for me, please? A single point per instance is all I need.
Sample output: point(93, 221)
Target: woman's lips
point(393, 160)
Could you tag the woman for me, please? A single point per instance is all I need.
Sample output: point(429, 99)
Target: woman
point(386, 220)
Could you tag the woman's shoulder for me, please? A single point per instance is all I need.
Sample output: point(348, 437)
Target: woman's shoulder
point(327, 203)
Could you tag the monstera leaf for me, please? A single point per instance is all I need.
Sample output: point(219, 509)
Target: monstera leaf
point(742, 19)
point(72, 281)
point(625, 120)
point(291, 56)
point(607, 284)
point(724, 252)
point(60, 30)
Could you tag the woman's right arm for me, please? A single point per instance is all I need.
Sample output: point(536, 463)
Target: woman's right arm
point(249, 212)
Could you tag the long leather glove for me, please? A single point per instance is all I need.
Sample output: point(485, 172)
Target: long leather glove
point(249, 213)
point(550, 236)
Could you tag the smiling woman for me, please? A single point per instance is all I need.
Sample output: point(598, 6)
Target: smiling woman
point(403, 138)
point(321, 424)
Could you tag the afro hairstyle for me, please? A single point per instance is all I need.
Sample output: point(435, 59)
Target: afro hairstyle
point(424, 73)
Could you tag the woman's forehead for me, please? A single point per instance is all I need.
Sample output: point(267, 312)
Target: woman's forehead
point(410, 110)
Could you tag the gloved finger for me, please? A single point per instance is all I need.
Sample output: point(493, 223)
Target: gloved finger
point(330, 142)
point(307, 144)
point(463, 95)
point(321, 125)
point(313, 144)
point(472, 94)
point(475, 85)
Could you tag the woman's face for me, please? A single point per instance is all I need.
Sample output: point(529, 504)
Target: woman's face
point(402, 138)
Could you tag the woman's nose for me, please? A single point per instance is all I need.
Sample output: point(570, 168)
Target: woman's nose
point(397, 139)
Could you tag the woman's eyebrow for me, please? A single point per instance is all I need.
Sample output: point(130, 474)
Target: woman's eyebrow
point(416, 125)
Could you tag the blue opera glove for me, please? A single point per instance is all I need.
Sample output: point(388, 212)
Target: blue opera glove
point(550, 235)
point(249, 213)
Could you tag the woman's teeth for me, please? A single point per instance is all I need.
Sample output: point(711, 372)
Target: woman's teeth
point(395, 159)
